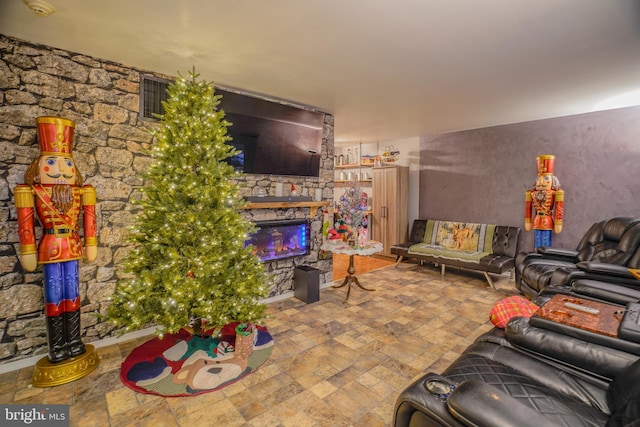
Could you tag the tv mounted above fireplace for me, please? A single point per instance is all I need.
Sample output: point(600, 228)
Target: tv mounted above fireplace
point(274, 138)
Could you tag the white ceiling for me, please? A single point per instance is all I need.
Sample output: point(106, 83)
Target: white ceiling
point(386, 69)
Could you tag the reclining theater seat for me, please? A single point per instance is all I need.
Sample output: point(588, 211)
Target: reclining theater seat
point(612, 267)
point(609, 283)
point(608, 292)
point(612, 241)
point(615, 275)
point(533, 269)
point(496, 384)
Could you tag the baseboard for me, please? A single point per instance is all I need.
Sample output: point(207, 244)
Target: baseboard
point(31, 361)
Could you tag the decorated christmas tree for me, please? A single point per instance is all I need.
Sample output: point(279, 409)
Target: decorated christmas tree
point(189, 264)
point(352, 206)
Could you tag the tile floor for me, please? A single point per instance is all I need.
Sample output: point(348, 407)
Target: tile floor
point(333, 363)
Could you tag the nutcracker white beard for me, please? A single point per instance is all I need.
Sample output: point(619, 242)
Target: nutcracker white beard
point(62, 197)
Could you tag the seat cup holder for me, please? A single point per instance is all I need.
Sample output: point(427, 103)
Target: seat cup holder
point(439, 387)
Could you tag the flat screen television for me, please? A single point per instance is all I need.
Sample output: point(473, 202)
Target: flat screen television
point(273, 138)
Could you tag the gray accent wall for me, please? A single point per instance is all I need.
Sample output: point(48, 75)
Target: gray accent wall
point(481, 175)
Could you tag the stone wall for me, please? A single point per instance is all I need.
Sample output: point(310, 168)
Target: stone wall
point(102, 98)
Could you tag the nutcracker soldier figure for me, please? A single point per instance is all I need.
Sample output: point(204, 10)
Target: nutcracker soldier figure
point(53, 190)
point(545, 201)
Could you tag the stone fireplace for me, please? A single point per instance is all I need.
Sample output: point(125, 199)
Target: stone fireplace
point(281, 239)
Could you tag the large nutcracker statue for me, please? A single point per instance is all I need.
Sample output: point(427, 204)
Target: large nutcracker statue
point(545, 201)
point(53, 190)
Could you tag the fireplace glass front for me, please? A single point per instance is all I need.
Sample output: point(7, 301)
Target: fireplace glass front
point(280, 239)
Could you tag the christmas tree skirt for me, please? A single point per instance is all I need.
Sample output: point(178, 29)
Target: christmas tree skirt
point(182, 364)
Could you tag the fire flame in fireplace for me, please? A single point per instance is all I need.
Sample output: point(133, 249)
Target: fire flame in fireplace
point(280, 239)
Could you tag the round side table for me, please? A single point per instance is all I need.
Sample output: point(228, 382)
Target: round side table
point(339, 247)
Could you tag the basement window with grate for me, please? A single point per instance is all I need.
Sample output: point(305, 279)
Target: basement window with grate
point(153, 91)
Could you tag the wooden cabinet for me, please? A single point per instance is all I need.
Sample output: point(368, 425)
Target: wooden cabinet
point(390, 206)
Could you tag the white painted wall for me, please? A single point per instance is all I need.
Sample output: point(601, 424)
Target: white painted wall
point(409, 156)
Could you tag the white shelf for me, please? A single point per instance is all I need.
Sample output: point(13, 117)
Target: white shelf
point(363, 182)
point(354, 166)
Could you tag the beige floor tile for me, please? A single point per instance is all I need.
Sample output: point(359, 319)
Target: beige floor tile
point(121, 400)
point(333, 363)
point(266, 419)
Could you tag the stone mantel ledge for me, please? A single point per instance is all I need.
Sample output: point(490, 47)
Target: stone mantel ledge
point(285, 205)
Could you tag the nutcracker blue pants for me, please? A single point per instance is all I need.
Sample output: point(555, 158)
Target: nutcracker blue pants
point(61, 287)
point(541, 238)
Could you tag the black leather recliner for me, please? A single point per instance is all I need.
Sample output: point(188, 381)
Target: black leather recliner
point(609, 291)
point(603, 270)
point(605, 291)
point(596, 280)
point(612, 241)
point(526, 376)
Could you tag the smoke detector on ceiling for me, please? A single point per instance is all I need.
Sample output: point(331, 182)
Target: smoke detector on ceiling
point(40, 7)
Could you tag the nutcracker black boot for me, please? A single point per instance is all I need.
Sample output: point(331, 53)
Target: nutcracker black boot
point(58, 348)
point(76, 347)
